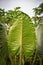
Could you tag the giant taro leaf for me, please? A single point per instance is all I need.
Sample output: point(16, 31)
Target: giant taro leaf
point(22, 34)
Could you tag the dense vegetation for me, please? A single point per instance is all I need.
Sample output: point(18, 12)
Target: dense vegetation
point(3, 44)
point(17, 37)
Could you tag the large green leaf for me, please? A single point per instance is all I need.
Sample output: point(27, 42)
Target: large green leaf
point(22, 34)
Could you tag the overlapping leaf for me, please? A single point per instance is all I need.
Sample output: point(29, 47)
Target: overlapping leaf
point(3, 44)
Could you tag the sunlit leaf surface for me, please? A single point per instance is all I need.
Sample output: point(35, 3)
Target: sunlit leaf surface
point(22, 33)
